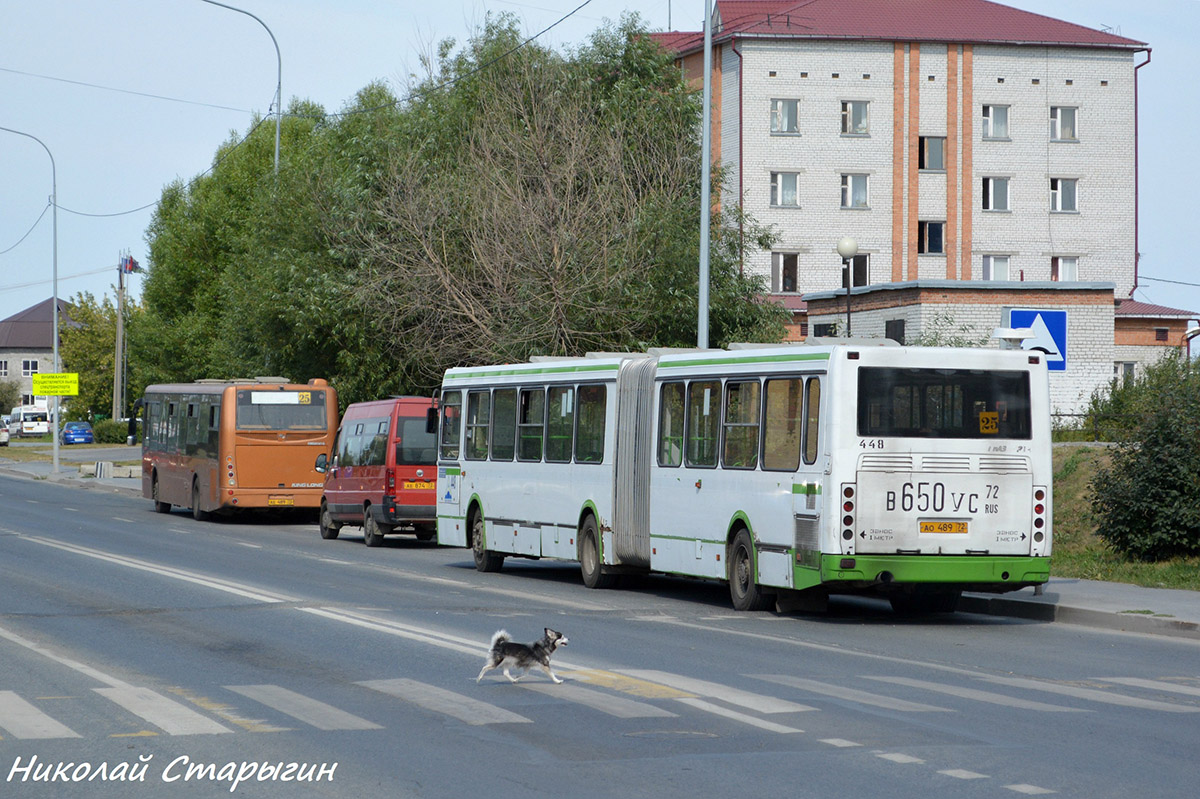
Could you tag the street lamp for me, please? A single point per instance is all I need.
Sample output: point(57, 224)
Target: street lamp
point(54, 279)
point(847, 247)
point(279, 73)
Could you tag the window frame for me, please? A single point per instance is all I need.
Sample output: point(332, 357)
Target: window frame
point(780, 271)
point(1064, 263)
point(556, 394)
point(779, 118)
point(502, 438)
point(990, 194)
point(793, 424)
point(691, 452)
point(988, 122)
point(924, 229)
point(1058, 195)
point(848, 115)
point(1057, 112)
point(668, 458)
point(741, 430)
point(847, 191)
point(30, 367)
point(472, 451)
point(581, 419)
point(989, 267)
point(450, 425)
point(778, 189)
point(528, 429)
point(923, 152)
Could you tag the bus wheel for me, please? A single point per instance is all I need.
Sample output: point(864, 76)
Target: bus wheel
point(485, 561)
point(426, 532)
point(744, 591)
point(590, 564)
point(159, 505)
point(329, 528)
point(372, 533)
point(197, 514)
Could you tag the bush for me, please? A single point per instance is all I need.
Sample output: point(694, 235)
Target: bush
point(107, 431)
point(1148, 499)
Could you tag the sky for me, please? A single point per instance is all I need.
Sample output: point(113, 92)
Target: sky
point(130, 95)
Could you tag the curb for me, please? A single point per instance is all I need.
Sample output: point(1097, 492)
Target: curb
point(1086, 617)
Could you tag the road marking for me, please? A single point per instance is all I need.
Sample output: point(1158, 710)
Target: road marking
point(1029, 790)
point(249, 546)
point(725, 712)
point(1154, 685)
point(841, 743)
point(1091, 694)
point(119, 519)
point(166, 571)
point(897, 757)
point(850, 694)
point(439, 700)
point(445, 641)
point(712, 690)
point(23, 720)
point(627, 685)
point(169, 716)
point(227, 712)
point(963, 774)
point(617, 706)
point(62, 660)
point(302, 708)
point(977, 695)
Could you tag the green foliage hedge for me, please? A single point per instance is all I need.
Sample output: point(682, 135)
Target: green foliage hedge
point(107, 431)
point(1148, 499)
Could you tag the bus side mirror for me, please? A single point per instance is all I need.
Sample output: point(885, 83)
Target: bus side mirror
point(431, 421)
point(322, 463)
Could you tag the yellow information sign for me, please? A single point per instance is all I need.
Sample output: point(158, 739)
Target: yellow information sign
point(65, 384)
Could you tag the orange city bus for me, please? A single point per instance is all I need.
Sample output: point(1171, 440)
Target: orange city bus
point(219, 445)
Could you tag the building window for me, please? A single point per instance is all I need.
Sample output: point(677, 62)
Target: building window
point(929, 239)
point(825, 330)
point(1062, 123)
point(995, 267)
point(29, 367)
point(1124, 371)
point(1064, 194)
point(785, 116)
point(785, 269)
point(1160, 334)
point(3, 368)
point(855, 118)
point(995, 194)
point(1065, 269)
point(933, 153)
point(995, 122)
point(894, 329)
point(785, 189)
point(858, 271)
point(854, 191)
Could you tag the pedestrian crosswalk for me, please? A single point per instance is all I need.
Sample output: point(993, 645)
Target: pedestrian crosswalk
point(759, 703)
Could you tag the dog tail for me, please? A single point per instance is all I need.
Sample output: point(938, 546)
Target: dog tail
point(500, 637)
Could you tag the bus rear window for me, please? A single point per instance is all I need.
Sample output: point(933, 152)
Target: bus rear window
point(943, 403)
point(281, 410)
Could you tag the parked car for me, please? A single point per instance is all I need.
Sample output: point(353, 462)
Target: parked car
point(4, 436)
point(382, 473)
point(76, 433)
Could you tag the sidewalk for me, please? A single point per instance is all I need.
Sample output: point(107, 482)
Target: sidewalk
point(1090, 603)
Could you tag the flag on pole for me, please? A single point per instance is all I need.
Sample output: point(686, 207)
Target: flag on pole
point(128, 264)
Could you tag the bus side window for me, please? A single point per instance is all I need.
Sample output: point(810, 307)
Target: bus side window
point(783, 427)
point(451, 417)
point(741, 425)
point(531, 422)
point(670, 425)
point(478, 413)
point(812, 419)
point(560, 423)
point(589, 439)
point(703, 422)
point(504, 424)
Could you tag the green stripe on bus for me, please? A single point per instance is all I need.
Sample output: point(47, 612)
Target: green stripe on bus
point(533, 370)
point(710, 361)
point(453, 470)
point(684, 538)
point(806, 488)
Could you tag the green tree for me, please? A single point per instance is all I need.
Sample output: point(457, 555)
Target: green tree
point(1148, 498)
point(88, 347)
point(10, 395)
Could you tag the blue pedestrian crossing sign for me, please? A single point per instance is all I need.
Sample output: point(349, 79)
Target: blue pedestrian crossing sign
point(1049, 333)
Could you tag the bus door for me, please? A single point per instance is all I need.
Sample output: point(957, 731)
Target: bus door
point(452, 526)
point(792, 443)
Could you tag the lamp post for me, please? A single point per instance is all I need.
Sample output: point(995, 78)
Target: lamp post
point(54, 280)
point(847, 247)
point(279, 73)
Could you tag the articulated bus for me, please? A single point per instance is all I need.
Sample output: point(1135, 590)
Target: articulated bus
point(791, 472)
point(219, 446)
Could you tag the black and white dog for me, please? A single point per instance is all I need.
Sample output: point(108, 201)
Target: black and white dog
point(505, 654)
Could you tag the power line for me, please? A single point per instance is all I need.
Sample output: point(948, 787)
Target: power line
point(120, 91)
point(27, 232)
point(31, 284)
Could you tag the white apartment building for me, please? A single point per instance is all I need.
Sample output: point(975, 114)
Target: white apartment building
point(982, 158)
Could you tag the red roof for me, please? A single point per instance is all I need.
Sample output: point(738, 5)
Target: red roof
point(1138, 308)
point(958, 21)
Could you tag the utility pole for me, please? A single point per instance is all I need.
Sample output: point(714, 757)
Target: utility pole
point(118, 388)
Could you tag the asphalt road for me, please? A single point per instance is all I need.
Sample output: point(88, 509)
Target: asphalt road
point(146, 644)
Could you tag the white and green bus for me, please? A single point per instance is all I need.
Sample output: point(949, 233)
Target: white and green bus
point(910, 473)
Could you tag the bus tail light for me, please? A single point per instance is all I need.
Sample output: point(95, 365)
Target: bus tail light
point(1040, 519)
point(849, 512)
point(390, 483)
